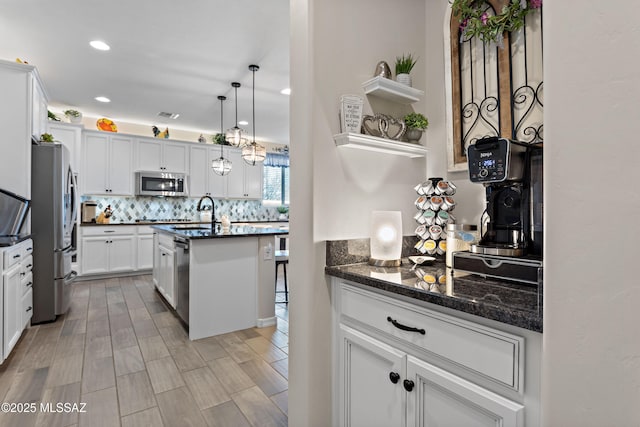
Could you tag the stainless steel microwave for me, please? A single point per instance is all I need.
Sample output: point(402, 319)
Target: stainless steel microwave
point(170, 184)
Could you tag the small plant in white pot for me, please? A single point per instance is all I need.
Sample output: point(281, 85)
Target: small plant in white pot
point(283, 211)
point(74, 116)
point(404, 65)
point(416, 123)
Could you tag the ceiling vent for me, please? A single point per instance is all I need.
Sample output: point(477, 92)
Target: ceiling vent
point(168, 115)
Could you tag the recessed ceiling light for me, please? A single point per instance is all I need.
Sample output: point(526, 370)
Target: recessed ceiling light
point(100, 45)
point(102, 99)
point(243, 122)
point(286, 91)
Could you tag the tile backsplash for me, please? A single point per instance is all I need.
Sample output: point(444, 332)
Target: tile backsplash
point(128, 209)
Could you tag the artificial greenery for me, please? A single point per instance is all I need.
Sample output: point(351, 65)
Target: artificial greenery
point(72, 113)
point(416, 121)
point(52, 116)
point(404, 64)
point(476, 22)
point(46, 137)
point(219, 138)
point(283, 209)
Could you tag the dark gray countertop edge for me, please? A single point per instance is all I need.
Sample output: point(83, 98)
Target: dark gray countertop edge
point(6, 241)
point(95, 224)
point(255, 233)
point(500, 314)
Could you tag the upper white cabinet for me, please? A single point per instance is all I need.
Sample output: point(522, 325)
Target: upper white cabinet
point(70, 135)
point(154, 154)
point(23, 114)
point(107, 164)
point(203, 181)
point(244, 181)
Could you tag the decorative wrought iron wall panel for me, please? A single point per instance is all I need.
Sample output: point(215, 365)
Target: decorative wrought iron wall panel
point(482, 78)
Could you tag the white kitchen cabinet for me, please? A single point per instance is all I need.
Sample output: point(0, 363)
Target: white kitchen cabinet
point(16, 300)
point(70, 135)
point(107, 164)
point(244, 181)
point(446, 371)
point(23, 110)
point(156, 259)
point(144, 259)
point(108, 249)
point(167, 274)
point(154, 154)
point(202, 179)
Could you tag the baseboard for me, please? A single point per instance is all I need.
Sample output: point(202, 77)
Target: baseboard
point(84, 277)
point(269, 321)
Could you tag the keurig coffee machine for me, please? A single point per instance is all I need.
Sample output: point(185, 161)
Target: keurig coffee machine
point(511, 242)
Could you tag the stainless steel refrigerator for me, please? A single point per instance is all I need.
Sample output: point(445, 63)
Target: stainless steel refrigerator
point(53, 217)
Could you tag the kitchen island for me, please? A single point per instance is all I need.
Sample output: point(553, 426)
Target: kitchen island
point(218, 281)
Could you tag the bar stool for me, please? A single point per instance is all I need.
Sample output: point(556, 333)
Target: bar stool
point(282, 258)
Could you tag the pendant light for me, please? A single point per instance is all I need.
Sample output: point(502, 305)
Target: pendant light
point(254, 153)
point(235, 135)
point(221, 166)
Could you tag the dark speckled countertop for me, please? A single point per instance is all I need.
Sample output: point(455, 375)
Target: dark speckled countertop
point(202, 231)
point(511, 303)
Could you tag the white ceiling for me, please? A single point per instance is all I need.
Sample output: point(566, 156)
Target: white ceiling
point(170, 56)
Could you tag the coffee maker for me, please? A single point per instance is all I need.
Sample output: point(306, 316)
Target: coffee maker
point(511, 225)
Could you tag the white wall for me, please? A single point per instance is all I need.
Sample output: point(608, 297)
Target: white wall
point(335, 46)
point(591, 361)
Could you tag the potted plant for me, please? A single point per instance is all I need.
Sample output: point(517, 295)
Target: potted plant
point(46, 137)
point(283, 210)
point(220, 139)
point(415, 123)
point(404, 65)
point(74, 116)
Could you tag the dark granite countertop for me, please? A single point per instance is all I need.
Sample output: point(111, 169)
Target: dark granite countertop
point(507, 302)
point(13, 240)
point(203, 231)
point(94, 224)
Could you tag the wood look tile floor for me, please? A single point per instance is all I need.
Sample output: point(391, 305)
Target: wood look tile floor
point(124, 354)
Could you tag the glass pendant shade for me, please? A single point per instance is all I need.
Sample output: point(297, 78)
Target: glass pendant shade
point(254, 153)
point(235, 135)
point(221, 166)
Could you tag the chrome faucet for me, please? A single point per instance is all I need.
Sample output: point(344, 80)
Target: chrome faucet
point(213, 210)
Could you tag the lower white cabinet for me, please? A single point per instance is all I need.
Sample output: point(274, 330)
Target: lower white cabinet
point(166, 274)
point(443, 371)
point(16, 297)
point(145, 252)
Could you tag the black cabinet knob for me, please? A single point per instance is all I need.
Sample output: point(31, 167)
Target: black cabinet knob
point(408, 385)
point(394, 377)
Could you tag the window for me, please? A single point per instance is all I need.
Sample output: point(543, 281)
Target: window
point(275, 183)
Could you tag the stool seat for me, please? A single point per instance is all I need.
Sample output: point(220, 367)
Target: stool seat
point(282, 258)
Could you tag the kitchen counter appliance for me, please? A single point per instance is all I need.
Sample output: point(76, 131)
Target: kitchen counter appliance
point(88, 211)
point(13, 213)
point(511, 237)
point(181, 247)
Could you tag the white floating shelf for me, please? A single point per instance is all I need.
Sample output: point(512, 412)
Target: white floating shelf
point(381, 145)
point(392, 90)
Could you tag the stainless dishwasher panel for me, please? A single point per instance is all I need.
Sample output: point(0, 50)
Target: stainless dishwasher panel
point(182, 266)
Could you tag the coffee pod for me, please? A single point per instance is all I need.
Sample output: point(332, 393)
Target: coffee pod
point(452, 219)
point(434, 287)
point(435, 231)
point(448, 204)
point(436, 202)
point(420, 201)
point(442, 247)
point(442, 279)
point(442, 218)
point(442, 187)
point(418, 189)
point(420, 247)
point(451, 190)
point(427, 188)
point(418, 272)
point(429, 217)
point(429, 246)
point(419, 218)
point(429, 278)
point(422, 231)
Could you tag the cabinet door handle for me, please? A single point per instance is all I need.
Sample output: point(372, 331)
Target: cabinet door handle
point(394, 377)
point(408, 385)
point(29, 309)
point(28, 284)
point(29, 266)
point(16, 256)
point(109, 231)
point(23, 274)
point(404, 327)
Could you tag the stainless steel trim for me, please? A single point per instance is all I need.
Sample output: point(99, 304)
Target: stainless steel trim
point(177, 176)
point(181, 247)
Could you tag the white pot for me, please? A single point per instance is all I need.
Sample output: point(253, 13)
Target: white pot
point(405, 79)
point(413, 135)
point(74, 119)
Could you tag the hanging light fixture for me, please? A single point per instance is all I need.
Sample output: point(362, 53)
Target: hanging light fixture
point(254, 153)
point(235, 135)
point(221, 166)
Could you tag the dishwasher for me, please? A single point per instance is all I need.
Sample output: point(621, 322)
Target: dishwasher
point(182, 286)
